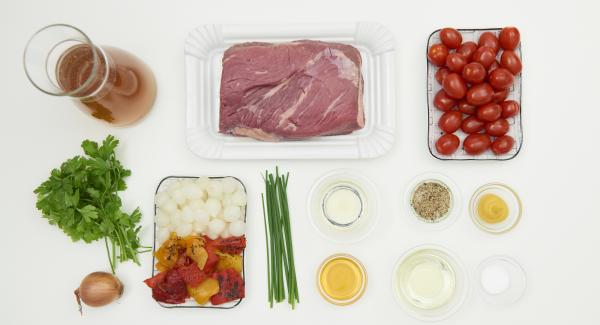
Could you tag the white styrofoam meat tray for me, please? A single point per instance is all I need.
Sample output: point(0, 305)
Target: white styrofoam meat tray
point(204, 50)
point(516, 129)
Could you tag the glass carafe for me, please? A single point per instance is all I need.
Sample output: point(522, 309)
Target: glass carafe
point(108, 83)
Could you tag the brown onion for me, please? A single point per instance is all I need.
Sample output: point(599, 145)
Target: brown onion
point(98, 289)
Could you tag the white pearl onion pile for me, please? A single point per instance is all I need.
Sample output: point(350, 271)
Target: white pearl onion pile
point(204, 206)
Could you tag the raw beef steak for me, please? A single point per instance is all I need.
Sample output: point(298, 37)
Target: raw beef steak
point(291, 91)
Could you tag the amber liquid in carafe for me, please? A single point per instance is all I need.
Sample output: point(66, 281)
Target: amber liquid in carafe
point(120, 91)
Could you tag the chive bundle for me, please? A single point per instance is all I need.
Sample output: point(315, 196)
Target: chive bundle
point(280, 251)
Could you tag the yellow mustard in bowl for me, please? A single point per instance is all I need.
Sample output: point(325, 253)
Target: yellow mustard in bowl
point(491, 208)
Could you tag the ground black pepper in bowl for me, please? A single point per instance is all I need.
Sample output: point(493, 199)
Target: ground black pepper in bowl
point(431, 201)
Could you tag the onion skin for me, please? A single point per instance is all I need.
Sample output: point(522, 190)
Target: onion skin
point(98, 289)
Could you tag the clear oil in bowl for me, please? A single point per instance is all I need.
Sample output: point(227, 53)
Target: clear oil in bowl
point(426, 279)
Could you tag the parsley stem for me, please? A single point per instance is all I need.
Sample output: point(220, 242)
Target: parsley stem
point(114, 256)
point(112, 267)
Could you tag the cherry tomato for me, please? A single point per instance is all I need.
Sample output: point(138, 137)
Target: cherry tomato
point(497, 128)
point(456, 62)
point(467, 49)
point(490, 40)
point(477, 143)
point(501, 79)
point(467, 108)
point(451, 38)
point(495, 65)
point(480, 94)
point(510, 108)
point(503, 144)
point(447, 144)
point(443, 102)
point(474, 73)
point(440, 74)
point(510, 60)
point(437, 54)
point(484, 55)
point(454, 86)
point(472, 125)
point(489, 112)
point(509, 38)
point(500, 95)
point(450, 121)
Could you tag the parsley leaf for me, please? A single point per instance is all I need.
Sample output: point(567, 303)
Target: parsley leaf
point(81, 198)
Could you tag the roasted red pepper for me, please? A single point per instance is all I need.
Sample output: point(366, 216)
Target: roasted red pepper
point(181, 272)
point(183, 260)
point(191, 274)
point(168, 287)
point(155, 280)
point(230, 245)
point(231, 287)
point(211, 262)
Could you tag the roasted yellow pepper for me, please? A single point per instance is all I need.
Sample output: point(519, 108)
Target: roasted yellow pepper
point(168, 253)
point(229, 261)
point(204, 290)
point(196, 251)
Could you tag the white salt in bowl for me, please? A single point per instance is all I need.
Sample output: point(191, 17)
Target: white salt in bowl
point(501, 280)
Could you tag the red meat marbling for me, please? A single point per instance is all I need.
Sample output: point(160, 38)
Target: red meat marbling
point(291, 91)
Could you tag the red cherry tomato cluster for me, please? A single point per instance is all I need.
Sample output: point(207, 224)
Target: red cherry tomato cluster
point(475, 85)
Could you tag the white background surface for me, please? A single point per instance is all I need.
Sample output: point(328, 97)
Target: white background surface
point(556, 173)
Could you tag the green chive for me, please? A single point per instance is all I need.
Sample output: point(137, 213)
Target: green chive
point(281, 272)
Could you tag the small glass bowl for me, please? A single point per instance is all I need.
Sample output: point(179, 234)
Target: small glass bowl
point(461, 284)
point(331, 192)
point(509, 196)
point(455, 201)
point(501, 280)
point(362, 273)
point(363, 188)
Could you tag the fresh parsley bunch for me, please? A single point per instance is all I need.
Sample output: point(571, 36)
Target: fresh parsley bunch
point(81, 198)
